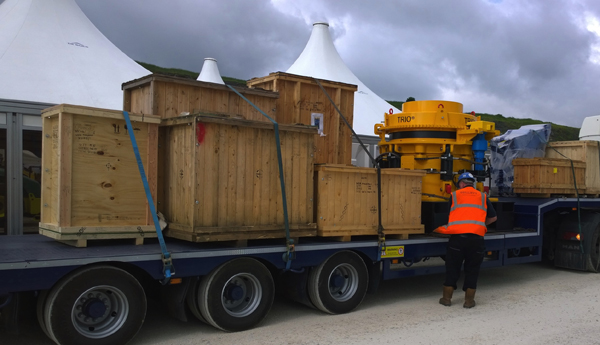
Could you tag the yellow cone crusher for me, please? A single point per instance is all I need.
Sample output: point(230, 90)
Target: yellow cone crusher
point(438, 137)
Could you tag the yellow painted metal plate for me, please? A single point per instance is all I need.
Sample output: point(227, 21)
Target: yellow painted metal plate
point(392, 252)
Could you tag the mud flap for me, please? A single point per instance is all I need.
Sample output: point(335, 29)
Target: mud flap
point(573, 254)
point(173, 299)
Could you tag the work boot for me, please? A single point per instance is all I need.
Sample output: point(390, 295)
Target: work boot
point(447, 296)
point(469, 298)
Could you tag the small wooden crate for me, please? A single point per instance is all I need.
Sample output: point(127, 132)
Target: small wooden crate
point(347, 205)
point(171, 96)
point(585, 151)
point(543, 177)
point(300, 98)
point(221, 179)
point(91, 185)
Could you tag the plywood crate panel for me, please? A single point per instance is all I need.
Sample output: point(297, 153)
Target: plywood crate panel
point(347, 204)
point(91, 186)
point(547, 176)
point(585, 151)
point(221, 179)
point(171, 96)
point(300, 97)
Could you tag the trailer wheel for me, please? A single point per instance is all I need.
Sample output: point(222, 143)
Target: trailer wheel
point(41, 304)
point(339, 284)
point(96, 305)
point(192, 300)
point(594, 255)
point(237, 295)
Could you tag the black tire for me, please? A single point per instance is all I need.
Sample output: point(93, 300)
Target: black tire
point(192, 300)
point(99, 305)
point(339, 284)
point(594, 251)
point(41, 305)
point(237, 295)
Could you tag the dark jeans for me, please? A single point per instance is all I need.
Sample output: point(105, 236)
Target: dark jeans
point(467, 248)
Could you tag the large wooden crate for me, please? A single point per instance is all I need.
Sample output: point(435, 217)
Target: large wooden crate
point(585, 151)
point(221, 179)
point(543, 177)
point(171, 96)
point(91, 185)
point(347, 205)
point(301, 100)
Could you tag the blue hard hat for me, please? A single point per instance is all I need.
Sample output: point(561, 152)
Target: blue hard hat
point(466, 176)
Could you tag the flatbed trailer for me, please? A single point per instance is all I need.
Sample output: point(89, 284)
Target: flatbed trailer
point(97, 294)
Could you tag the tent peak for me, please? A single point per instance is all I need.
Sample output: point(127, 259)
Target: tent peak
point(210, 72)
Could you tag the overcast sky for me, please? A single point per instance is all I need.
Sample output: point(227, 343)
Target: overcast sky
point(535, 59)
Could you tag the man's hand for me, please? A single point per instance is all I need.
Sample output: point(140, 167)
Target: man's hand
point(489, 221)
point(441, 229)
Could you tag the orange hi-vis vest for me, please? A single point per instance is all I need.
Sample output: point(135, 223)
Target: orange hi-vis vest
point(467, 213)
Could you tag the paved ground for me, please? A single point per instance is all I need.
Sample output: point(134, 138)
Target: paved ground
point(523, 304)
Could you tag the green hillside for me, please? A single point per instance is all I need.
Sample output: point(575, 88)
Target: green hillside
point(558, 132)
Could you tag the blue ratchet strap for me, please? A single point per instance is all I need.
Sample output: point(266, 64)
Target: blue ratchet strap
point(168, 268)
point(290, 254)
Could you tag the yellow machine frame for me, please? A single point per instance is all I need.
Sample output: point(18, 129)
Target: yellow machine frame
point(426, 131)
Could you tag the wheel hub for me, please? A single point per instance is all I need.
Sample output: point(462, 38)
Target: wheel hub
point(241, 295)
point(337, 281)
point(100, 312)
point(235, 293)
point(343, 282)
point(94, 308)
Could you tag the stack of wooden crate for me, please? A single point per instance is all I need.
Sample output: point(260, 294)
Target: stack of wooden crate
point(212, 165)
point(219, 172)
point(554, 174)
point(586, 151)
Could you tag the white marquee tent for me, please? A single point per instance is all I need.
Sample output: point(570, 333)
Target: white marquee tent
point(51, 52)
point(321, 60)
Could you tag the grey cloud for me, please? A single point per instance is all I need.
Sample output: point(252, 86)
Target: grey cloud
point(248, 38)
point(521, 59)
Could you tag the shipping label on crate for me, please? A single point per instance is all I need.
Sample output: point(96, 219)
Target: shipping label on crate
point(392, 252)
point(365, 186)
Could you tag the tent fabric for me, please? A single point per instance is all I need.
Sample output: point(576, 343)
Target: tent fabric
point(210, 72)
point(320, 59)
point(51, 52)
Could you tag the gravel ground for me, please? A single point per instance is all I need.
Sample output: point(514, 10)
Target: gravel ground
point(523, 304)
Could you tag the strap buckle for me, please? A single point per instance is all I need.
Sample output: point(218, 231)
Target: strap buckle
point(168, 268)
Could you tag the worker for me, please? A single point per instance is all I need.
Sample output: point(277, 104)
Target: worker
point(470, 213)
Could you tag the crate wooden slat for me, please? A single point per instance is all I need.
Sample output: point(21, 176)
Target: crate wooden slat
point(585, 151)
point(91, 187)
point(547, 176)
point(220, 179)
point(346, 201)
point(300, 97)
point(170, 96)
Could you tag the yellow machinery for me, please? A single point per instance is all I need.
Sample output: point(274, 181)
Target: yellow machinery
point(438, 137)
